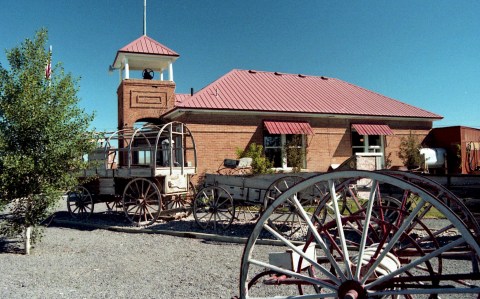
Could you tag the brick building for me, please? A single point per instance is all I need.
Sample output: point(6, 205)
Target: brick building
point(332, 118)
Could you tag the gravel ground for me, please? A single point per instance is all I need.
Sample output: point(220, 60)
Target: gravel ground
point(81, 261)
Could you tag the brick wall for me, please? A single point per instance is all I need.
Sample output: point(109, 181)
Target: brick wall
point(218, 136)
point(143, 99)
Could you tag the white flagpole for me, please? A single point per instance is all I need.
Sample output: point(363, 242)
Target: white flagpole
point(144, 17)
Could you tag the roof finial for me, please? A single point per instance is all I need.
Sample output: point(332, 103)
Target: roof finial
point(144, 17)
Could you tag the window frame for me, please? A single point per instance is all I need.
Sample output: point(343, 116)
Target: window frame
point(366, 148)
point(281, 147)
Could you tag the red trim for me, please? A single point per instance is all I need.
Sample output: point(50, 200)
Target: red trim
point(288, 127)
point(372, 129)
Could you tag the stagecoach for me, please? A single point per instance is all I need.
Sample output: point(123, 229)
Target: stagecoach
point(144, 172)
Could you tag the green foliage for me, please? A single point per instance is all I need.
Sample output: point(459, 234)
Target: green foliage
point(295, 154)
point(260, 163)
point(43, 135)
point(409, 151)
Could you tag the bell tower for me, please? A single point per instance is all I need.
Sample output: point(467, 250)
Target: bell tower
point(151, 95)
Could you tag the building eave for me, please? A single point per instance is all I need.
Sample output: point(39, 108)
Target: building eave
point(177, 112)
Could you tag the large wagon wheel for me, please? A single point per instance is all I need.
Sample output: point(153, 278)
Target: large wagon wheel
point(363, 253)
point(213, 207)
point(142, 202)
point(80, 203)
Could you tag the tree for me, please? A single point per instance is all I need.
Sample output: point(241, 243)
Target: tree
point(43, 135)
point(409, 151)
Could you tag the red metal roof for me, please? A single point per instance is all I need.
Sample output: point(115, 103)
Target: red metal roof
point(277, 92)
point(372, 129)
point(288, 127)
point(180, 97)
point(147, 45)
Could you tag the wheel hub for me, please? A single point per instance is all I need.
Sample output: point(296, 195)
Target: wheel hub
point(351, 289)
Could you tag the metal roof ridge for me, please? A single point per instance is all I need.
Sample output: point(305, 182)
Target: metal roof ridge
point(299, 75)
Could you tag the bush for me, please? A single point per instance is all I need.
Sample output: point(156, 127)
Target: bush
point(260, 163)
point(409, 151)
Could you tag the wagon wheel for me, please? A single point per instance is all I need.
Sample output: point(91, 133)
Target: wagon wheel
point(278, 187)
point(115, 205)
point(182, 203)
point(142, 202)
point(287, 220)
point(364, 254)
point(213, 207)
point(80, 203)
point(247, 212)
point(446, 196)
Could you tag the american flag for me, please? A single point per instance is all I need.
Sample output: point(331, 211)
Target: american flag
point(48, 67)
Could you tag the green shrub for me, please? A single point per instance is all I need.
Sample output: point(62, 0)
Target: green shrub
point(260, 163)
point(409, 151)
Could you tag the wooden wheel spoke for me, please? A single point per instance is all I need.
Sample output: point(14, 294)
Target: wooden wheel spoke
point(226, 214)
point(202, 217)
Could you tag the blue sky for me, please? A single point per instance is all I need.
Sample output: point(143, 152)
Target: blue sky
point(425, 53)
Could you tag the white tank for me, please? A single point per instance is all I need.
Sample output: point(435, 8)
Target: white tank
point(434, 157)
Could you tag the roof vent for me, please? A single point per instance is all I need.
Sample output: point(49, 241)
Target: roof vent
point(278, 74)
point(302, 76)
point(324, 78)
point(252, 71)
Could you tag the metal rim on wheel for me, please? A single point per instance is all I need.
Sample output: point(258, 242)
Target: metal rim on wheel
point(80, 203)
point(142, 202)
point(213, 207)
point(364, 253)
point(287, 220)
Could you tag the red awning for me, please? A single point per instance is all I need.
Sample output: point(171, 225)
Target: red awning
point(372, 129)
point(288, 127)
